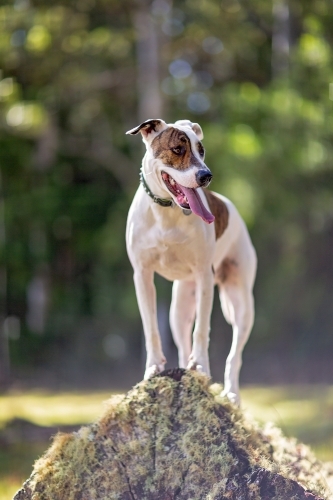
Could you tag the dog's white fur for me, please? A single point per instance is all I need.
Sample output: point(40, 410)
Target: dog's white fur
point(183, 249)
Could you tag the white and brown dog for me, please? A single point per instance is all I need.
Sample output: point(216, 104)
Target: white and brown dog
point(169, 232)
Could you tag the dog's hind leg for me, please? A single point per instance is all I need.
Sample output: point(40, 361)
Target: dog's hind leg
point(238, 308)
point(182, 313)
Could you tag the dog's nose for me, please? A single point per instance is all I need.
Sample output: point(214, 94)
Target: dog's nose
point(203, 177)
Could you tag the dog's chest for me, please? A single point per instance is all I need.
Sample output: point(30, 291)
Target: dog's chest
point(168, 242)
point(173, 262)
point(171, 252)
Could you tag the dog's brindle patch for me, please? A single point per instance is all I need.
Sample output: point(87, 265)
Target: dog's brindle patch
point(172, 138)
point(220, 212)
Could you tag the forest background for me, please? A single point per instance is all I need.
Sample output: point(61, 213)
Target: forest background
point(75, 76)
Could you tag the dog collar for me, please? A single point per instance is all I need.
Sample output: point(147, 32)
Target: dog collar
point(160, 201)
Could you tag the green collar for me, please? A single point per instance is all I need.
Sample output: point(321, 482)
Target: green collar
point(160, 201)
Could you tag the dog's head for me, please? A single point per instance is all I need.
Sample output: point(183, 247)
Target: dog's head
point(178, 155)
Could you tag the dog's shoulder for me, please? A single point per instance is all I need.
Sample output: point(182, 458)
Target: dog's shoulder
point(219, 210)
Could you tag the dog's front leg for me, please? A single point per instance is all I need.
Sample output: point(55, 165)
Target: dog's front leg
point(199, 359)
point(146, 296)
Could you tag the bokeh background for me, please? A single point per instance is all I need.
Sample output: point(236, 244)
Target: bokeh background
point(75, 76)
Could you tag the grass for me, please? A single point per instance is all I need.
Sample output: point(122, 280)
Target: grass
point(42, 408)
point(16, 465)
point(47, 408)
point(305, 412)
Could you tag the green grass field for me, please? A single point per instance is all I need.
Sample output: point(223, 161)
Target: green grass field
point(305, 412)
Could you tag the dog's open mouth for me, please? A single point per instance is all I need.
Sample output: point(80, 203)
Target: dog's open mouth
point(187, 198)
point(176, 189)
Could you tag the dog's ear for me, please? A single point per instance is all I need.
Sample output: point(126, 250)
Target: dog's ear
point(149, 129)
point(194, 126)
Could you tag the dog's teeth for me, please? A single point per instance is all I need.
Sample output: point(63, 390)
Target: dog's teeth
point(172, 182)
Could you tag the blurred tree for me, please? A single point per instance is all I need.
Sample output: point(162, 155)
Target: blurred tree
point(4, 339)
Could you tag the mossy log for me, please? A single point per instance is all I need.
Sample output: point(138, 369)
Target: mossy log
point(174, 437)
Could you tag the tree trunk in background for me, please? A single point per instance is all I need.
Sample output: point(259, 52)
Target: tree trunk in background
point(4, 357)
point(280, 39)
point(149, 39)
point(150, 103)
point(4, 341)
point(38, 299)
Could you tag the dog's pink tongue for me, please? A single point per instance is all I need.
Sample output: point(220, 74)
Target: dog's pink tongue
point(197, 206)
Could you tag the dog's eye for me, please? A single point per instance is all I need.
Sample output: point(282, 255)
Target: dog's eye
point(178, 151)
point(201, 150)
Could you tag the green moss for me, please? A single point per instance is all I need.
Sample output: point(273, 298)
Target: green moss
point(176, 437)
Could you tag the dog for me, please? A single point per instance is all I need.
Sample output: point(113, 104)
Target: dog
point(195, 238)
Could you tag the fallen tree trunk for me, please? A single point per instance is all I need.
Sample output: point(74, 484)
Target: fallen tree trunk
point(172, 438)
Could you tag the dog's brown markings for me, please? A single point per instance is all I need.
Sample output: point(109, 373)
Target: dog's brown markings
point(227, 271)
point(220, 212)
point(170, 139)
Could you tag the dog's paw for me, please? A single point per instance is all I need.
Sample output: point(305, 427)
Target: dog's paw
point(232, 396)
point(194, 365)
point(153, 370)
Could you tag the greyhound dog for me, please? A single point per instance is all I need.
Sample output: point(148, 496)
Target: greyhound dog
point(170, 231)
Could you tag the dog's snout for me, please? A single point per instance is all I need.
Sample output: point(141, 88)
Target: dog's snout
point(203, 177)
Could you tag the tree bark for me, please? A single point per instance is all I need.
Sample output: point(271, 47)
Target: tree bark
point(4, 358)
point(170, 438)
point(150, 103)
point(280, 38)
point(4, 340)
